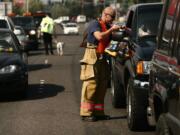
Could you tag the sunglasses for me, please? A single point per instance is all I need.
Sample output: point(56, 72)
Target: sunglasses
point(112, 16)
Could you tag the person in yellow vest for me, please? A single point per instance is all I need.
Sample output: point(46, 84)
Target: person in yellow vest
point(47, 28)
point(95, 71)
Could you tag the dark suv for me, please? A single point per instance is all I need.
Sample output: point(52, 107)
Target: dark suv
point(130, 68)
point(29, 26)
point(164, 94)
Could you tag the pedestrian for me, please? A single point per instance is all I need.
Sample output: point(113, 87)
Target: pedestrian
point(95, 71)
point(47, 28)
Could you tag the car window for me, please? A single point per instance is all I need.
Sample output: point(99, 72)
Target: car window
point(25, 22)
point(3, 24)
point(166, 35)
point(148, 20)
point(7, 37)
point(129, 22)
point(6, 47)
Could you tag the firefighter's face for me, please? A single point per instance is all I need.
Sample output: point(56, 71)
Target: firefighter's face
point(109, 16)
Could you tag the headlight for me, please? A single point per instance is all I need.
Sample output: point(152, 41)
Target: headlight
point(9, 69)
point(143, 67)
point(32, 32)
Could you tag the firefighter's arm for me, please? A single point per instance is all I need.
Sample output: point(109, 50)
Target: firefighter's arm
point(102, 35)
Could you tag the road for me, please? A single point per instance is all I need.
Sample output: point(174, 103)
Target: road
point(53, 99)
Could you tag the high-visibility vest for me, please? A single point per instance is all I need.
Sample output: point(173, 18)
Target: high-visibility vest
point(104, 42)
point(47, 25)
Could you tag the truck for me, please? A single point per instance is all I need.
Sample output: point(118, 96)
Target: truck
point(164, 81)
point(130, 68)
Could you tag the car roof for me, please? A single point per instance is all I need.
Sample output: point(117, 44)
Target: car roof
point(3, 17)
point(144, 5)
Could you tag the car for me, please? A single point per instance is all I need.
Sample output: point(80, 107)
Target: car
point(13, 66)
point(130, 68)
point(29, 26)
point(71, 28)
point(7, 23)
point(164, 92)
point(81, 19)
point(61, 18)
point(26, 44)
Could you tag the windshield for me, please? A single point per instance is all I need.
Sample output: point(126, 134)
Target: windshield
point(6, 47)
point(7, 43)
point(25, 22)
point(38, 20)
point(148, 21)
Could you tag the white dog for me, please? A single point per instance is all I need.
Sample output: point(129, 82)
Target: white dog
point(59, 47)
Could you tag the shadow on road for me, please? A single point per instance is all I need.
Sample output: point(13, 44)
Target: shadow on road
point(35, 53)
point(118, 117)
point(37, 91)
point(33, 67)
point(34, 92)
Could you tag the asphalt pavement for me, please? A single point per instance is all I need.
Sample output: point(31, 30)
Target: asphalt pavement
point(52, 104)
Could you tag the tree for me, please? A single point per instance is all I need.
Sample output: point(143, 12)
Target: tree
point(59, 10)
point(35, 5)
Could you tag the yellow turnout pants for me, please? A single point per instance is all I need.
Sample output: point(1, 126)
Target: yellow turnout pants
point(94, 89)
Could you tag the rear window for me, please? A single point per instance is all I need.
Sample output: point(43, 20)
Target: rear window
point(25, 22)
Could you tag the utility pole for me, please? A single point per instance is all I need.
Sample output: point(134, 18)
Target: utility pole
point(82, 7)
point(27, 6)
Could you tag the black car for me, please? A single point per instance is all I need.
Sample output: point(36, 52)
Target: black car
point(164, 92)
point(130, 68)
point(26, 44)
point(13, 69)
point(29, 26)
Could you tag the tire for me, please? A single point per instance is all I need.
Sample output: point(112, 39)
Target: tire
point(117, 91)
point(136, 109)
point(162, 127)
point(23, 92)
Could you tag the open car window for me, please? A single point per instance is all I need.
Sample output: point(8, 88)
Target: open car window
point(148, 22)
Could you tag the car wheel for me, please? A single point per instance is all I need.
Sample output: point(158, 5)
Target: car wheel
point(136, 109)
point(162, 127)
point(117, 92)
point(23, 91)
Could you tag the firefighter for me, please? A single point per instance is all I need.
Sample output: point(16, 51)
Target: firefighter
point(95, 71)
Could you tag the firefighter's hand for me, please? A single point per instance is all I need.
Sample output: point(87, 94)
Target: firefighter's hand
point(115, 28)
